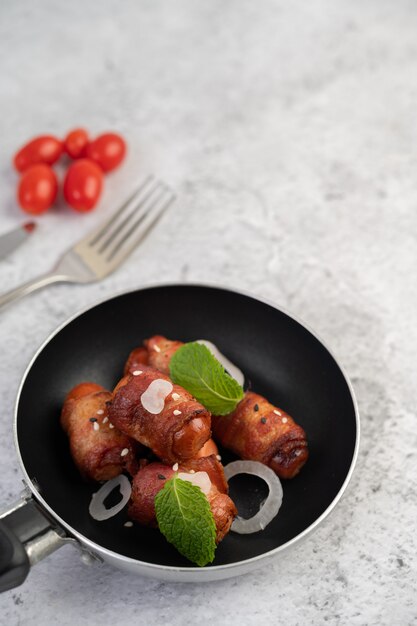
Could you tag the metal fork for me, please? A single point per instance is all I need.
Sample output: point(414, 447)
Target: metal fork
point(105, 248)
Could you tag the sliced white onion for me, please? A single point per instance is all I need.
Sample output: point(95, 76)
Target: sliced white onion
point(199, 479)
point(230, 367)
point(269, 508)
point(97, 509)
point(153, 399)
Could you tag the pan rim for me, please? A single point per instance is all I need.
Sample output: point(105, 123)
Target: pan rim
point(155, 568)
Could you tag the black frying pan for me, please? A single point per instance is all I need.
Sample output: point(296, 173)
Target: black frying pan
point(281, 358)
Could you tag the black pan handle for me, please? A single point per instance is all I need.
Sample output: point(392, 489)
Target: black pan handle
point(14, 561)
point(27, 535)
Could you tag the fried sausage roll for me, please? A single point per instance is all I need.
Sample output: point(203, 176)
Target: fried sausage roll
point(99, 450)
point(208, 449)
point(160, 350)
point(151, 478)
point(160, 415)
point(258, 431)
point(137, 358)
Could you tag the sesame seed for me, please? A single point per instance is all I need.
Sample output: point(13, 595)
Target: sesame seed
point(100, 412)
point(124, 452)
point(96, 426)
point(175, 467)
point(175, 396)
point(111, 425)
point(128, 524)
point(137, 372)
point(277, 412)
point(157, 349)
point(284, 420)
point(93, 419)
point(191, 472)
point(105, 419)
point(218, 457)
point(176, 412)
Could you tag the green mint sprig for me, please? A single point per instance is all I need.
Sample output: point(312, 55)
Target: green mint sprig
point(185, 519)
point(195, 368)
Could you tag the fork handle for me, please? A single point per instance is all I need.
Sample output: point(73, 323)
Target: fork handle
point(32, 285)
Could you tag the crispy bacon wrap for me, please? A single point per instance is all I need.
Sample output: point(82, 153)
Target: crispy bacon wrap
point(259, 431)
point(137, 358)
point(151, 478)
point(160, 350)
point(176, 433)
point(99, 451)
point(208, 449)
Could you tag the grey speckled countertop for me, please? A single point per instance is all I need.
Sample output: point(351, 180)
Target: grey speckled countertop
point(289, 130)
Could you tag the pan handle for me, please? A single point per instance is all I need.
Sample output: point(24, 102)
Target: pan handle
point(14, 561)
point(26, 537)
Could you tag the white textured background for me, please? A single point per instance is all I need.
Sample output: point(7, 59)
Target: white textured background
point(289, 130)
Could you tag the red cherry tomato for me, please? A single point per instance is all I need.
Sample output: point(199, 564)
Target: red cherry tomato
point(108, 151)
point(75, 143)
point(44, 149)
point(37, 189)
point(83, 184)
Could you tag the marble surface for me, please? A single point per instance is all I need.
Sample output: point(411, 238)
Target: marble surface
point(289, 131)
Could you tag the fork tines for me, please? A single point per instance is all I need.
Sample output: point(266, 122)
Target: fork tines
point(124, 230)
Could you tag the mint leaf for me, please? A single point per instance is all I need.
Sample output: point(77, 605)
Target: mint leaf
point(185, 519)
point(199, 372)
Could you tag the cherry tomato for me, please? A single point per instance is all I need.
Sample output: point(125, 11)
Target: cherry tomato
point(37, 189)
point(44, 149)
point(75, 143)
point(83, 184)
point(108, 151)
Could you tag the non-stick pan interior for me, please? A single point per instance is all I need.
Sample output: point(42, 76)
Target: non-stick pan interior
point(281, 360)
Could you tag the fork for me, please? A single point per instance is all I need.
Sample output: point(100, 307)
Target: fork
point(102, 251)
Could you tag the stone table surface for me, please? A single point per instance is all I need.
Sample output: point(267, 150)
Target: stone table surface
point(289, 131)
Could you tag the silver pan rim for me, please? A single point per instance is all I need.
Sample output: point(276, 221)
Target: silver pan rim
point(197, 574)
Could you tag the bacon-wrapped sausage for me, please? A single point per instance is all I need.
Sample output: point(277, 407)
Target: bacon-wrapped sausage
point(166, 418)
point(99, 450)
point(150, 480)
point(258, 431)
point(138, 357)
point(208, 449)
point(160, 350)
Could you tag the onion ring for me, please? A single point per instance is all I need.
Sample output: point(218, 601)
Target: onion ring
point(269, 508)
point(97, 509)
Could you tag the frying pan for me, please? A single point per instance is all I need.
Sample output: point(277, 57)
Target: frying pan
point(281, 358)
